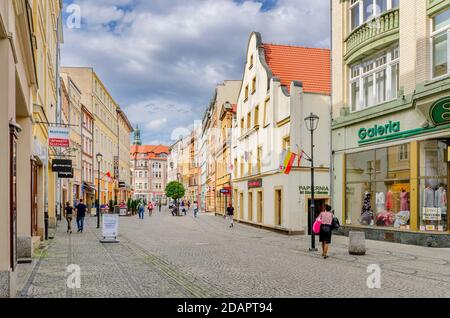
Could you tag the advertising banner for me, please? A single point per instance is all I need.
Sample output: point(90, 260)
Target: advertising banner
point(110, 228)
point(60, 165)
point(431, 214)
point(59, 137)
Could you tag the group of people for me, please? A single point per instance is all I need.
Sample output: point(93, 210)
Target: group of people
point(150, 208)
point(185, 208)
point(80, 212)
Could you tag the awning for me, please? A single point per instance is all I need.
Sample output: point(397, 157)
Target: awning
point(88, 187)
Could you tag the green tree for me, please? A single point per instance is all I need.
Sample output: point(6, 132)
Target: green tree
point(175, 190)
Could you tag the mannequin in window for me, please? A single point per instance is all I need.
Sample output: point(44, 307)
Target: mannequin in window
point(428, 197)
point(389, 200)
point(366, 215)
point(404, 200)
point(380, 201)
point(440, 198)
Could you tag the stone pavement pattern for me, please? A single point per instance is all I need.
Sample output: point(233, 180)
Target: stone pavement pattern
point(183, 257)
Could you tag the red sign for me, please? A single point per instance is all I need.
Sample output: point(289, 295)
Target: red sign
point(255, 184)
point(56, 142)
point(59, 137)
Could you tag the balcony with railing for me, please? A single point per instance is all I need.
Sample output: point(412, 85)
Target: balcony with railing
point(373, 35)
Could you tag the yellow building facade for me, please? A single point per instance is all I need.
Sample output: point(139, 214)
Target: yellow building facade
point(28, 95)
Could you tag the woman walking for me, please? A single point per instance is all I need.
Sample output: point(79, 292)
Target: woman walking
point(150, 208)
point(230, 213)
point(326, 229)
point(68, 210)
point(195, 209)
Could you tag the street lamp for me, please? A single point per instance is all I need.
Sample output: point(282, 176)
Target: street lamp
point(312, 121)
point(99, 161)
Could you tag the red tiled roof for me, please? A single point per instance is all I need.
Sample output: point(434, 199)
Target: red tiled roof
point(151, 151)
point(311, 66)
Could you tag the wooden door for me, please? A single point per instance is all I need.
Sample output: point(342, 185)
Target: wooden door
point(34, 199)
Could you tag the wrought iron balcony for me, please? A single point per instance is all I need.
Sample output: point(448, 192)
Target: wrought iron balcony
point(372, 35)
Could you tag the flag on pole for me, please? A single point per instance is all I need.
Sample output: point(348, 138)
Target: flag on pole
point(289, 162)
point(108, 174)
point(288, 159)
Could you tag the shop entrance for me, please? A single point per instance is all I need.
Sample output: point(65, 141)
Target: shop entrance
point(34, 198)
point(319, 206)
point(278, 207)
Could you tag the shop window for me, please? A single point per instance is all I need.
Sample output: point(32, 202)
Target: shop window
point(439, 36)
point(433, 174)
point(378, 188)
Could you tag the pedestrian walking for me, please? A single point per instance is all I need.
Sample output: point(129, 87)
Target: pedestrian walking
point(68, 214)
point(195, 209)
point(81, 214)
point(141, 210)
point(230, 213)
point(326, 229)
point(159, 206)
point(150, 208)
point(189, 206)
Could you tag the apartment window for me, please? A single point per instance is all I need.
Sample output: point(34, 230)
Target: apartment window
point(266, 107)
point(440, 44)
point(242, 167)
point(246, 92)
point(286, 143)
point(362, 11)
point(242, 124)
point(249, 164)
point(251, 61)
point(235, 167)
point(256, 116)
point(249, 120)
point(254, 85)
point(375, 80)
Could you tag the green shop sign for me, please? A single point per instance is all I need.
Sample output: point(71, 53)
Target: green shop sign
point(440, 111)
point(379, 131)
point(317, 190)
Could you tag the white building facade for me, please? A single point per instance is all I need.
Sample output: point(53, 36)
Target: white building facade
point(277, 94)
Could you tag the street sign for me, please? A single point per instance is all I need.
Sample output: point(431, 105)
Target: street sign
point(122, 185)
point(60, 165)
point(59, 137)
point(65, 175)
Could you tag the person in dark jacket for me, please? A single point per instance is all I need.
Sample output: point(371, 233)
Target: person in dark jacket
point(230, 214)
point(81, 214)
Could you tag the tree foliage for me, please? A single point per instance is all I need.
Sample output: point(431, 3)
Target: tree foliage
point(175, 190)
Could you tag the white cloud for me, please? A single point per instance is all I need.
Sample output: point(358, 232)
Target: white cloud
point(156, 124)
point(174, 52)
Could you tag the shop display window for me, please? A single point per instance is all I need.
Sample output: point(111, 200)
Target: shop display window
point(378, 187)
point(433, 185)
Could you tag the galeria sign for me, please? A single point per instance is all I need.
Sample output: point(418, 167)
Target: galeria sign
point(379, 130)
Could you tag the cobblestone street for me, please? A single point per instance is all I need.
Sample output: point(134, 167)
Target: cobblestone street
point(165, 256)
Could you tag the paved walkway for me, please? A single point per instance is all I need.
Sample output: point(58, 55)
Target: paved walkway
point(165, 256)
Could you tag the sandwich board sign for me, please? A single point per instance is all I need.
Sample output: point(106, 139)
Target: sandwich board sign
point(110, 228)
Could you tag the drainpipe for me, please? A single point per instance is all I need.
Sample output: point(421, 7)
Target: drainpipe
point(331, 110)
point(58, 113)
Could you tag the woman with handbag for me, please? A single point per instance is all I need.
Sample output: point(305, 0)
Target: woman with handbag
point(326, 217)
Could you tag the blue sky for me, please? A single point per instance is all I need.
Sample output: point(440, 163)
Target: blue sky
point(161, 60)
